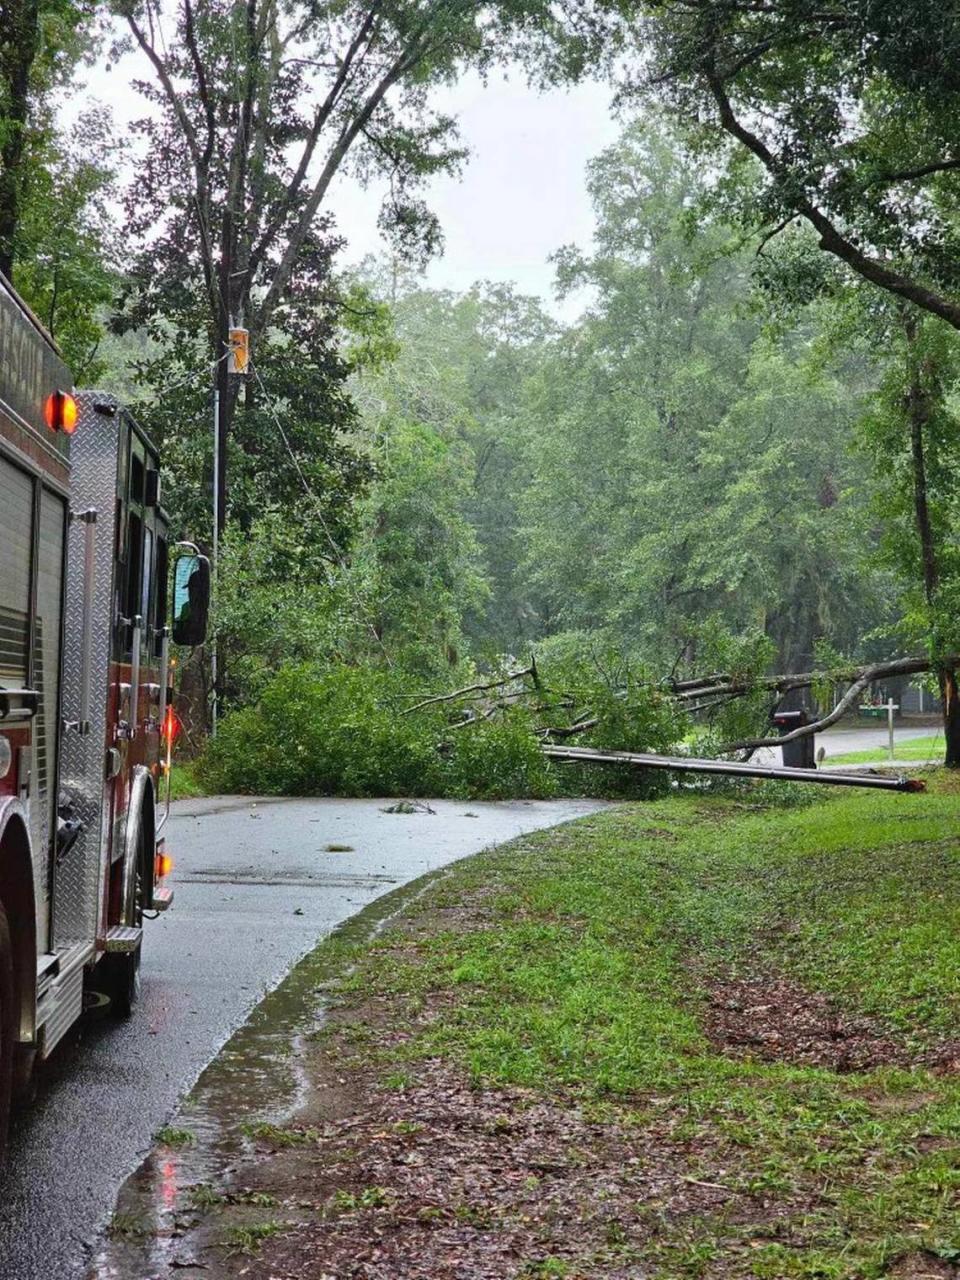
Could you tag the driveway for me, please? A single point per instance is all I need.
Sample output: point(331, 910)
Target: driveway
point(257, 885)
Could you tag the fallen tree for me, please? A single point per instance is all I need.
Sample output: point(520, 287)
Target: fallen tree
point(695, 696)
point(722, 684)
point(862, 681)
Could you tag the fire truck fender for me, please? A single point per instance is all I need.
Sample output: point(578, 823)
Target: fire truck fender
point(141, 819)
point(16, 894)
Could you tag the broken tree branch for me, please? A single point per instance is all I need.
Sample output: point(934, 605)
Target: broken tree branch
point(717, 686)
point(901, 666)
point(470, 688)
point(569, 731)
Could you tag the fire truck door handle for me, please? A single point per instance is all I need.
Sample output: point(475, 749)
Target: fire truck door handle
point(135, 677)
point(89, 520)
point(18, 704)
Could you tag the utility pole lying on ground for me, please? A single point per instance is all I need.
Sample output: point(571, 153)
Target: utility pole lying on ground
point(732, 768)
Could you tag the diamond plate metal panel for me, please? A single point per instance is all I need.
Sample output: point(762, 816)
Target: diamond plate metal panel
point(80, 877)
point(16, 540)
point(46, 667)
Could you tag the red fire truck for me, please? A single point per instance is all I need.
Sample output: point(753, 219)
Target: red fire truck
point(85, 717)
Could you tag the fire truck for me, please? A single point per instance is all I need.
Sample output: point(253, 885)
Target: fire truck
point(86, 722)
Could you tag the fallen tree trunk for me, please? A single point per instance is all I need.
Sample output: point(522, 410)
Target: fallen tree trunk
point(721, 686)
point(880, 670)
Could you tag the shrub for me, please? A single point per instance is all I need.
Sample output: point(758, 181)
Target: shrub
point(326, 732)
point(499, 760)
point(342, 731)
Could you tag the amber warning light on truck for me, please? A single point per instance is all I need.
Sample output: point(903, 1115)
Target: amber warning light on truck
point(171, 725)
point(60, 412)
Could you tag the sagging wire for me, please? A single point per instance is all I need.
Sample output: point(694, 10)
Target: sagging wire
point(182, 382)
point(338, 555)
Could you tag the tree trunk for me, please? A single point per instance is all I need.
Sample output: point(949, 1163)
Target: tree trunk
point(19, 41)
point(951, 715)
point(918, 411)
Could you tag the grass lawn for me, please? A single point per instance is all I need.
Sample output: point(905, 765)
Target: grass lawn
point(183, 783)
point(700, 1037)
point(923, 749)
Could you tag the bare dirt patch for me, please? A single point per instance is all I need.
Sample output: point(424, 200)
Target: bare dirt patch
point(775, 1019)
point(922, 1266)
point(442, 1181)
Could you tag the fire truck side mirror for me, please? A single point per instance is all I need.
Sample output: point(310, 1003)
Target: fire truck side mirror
point(191, 599)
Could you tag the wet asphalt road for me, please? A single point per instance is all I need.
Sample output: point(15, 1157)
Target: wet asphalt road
point(255, 890)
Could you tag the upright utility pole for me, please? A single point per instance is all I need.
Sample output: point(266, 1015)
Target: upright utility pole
point(221, 402)
point(218, 469)
point(234, 362)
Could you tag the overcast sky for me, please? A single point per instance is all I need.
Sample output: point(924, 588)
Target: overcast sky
point(522, 193)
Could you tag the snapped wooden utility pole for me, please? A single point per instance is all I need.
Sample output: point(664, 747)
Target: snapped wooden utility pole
point(732, 768)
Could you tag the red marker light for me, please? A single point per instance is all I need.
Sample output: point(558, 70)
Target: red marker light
point(164, 865)
point(171, 725)
point(60, 412)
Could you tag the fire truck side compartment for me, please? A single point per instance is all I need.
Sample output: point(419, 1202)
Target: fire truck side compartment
point(110, 458)
point(33, 515)
point(78, 884)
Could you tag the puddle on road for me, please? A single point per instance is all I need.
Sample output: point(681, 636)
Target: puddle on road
point(258, 1076)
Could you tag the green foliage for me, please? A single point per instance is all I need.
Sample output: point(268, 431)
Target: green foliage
point(227, 221)
point(588, 459)
point(344, 731)
point(184, 784)
point(460, 370)
point(66, 267)
point(316, 732)
point(277, 600)
point(41, 44)
point(849, 124)
point(499, 760)
point(682, 461)
point(416, 563)
point(745, 657)
point(924, 374)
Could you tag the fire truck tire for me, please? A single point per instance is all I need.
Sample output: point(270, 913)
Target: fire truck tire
point(8, 1032)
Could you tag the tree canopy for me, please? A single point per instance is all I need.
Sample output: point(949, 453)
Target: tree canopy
point(849, 113)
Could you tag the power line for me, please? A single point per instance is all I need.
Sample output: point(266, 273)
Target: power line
point(338, 555)
point(182, 382)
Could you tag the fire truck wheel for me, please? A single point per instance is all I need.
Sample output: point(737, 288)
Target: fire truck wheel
point(8, 1015)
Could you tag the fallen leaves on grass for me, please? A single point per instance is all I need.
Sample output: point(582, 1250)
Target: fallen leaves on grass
point(775, 1019)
